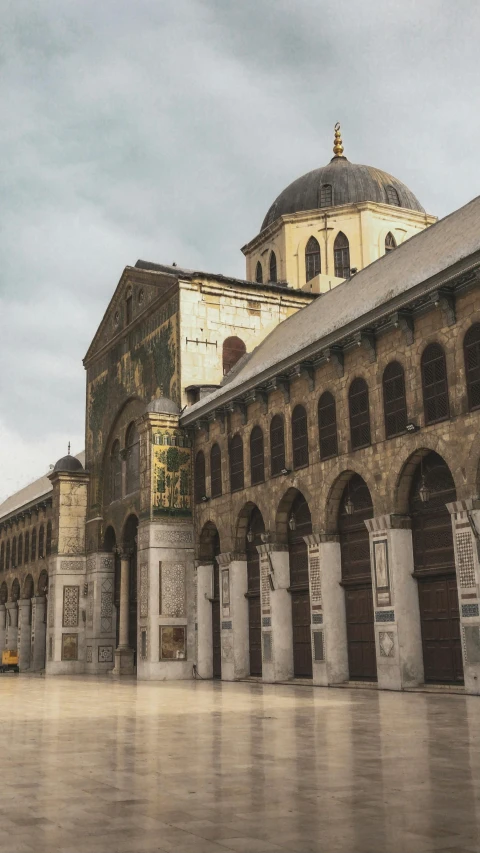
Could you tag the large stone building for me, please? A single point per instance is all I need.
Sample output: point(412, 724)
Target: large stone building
point(328, 408)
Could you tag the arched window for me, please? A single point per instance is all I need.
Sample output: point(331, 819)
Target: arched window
point(7, 556)
point(259, 273)
point(299, 437)
point(115, 472)
point(15, 590)
point(48, 545)
point(390, 243)
point(392, 196)
point(233, 350)
point(132, 444)
point(312, 259)
point(27, 547)
point(326, 195)
point(341, 255)
point(359, 414)
point(236, 463)
point(14, 552)
point(257, 465)
point(434, 383)
point(200, 485)
point(273, 267)
point(20, 550)
point(2, 557)
point(33, 551)
point(216, 471)
point(277, 445)
point(471, 349)
point(327, 425)
point(394, 400)
point(41, 541)
point(129, 306)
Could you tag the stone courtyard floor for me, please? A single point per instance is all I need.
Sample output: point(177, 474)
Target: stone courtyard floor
point(99, 766)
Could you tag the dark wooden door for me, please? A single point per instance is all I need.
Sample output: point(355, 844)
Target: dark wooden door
point(362, 662)
point(302, 648)
point(440, 620)
point(256, 528)
point(255, 635)
point(299, 588)
point(216, 635)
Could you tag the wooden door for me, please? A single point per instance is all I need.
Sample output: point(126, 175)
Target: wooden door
point(216, 634)
point(255, 635)
point(299, 589)
point(256, 528)
point(302, 647)
point(362, 662)
point(440, 620)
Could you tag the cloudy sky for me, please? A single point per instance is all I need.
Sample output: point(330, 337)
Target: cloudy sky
point(164, 129)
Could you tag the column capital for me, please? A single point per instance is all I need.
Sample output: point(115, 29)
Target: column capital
point(11, 605)
point(272, 547)
point(228, 557)
point(466, 505)
point(124, 553)
point(393, 521)
point(314, 539)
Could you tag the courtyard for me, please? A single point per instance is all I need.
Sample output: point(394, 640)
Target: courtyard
point(92, 765)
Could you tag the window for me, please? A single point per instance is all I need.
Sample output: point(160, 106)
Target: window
point(216, 471)
point(277, 445)
point(257, 465)
point(129, 306)
point(341, 255)
point(299, 437)
point(392, 196)
point(390, 243)
point(20, 550)
point(394, 400)
point(33, 552)
point(326, 196)
point(233, 350)
point(471, 350)
point(200, 486)
point(14, 552)
point(359, 414)
point(115, 473)
point(2, 557)
point(133, 459)
point(236, 463)
point(312, 258)
point(273, 267)
point(27, 547)
point(7, 557)
point(327, 425)
point(48, 546)
point(259, 273)
point(434, 383)
point(41, 540)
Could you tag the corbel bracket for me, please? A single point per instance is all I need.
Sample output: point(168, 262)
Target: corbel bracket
point(238, 405)
point(280, 383)
point(444, 299)
point(203, 424)
point(403, 320)
point(257, 395)
point(366, 340)
point(334, 355)
point(304, 368)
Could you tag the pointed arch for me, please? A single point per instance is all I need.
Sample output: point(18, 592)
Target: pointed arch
point(390, 243)
point(259, 273)
point(341, 255)
point(272, 265)
point(216, 471)
point(312, 259)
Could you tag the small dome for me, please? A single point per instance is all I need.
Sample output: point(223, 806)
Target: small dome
point(68, 463)
point(163, 406)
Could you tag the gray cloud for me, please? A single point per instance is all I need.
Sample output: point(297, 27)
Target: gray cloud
point(164, 129)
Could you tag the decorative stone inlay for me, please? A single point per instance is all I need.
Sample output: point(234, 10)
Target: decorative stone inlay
point(384, 616)
point(89, 656)
point(51, 605)
point(466, 565)
point(227, 647)
point(470, 610)
point(317, 619)
point(227, 625)
point(71, 565)
point(266, 622)
point(318, 646)
point(386, 641)
point(107, 563)
point(163, 536)
point(71, 595)
point(90, 604)
point(315, 578)
point(106, 606)
point(143, 590)
point(172, 587)
point(267, 646)
point(90, 564)
point(265, 569)
point(105, 654)
point(143, 644)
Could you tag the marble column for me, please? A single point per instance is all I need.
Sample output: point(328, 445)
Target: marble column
point(38, 633)
point(3, 617)
point(398, 638)
point(124, 654)
point(12, 625)
point(234, 616)
point(204, 620)
point(277, 635)
point(465, 517)
point(327, 601)
point(24, 631)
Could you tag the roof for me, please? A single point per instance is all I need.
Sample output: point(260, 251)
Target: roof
point(29, 494)
point(351, 183)
point(224, 279)
point(376, 291)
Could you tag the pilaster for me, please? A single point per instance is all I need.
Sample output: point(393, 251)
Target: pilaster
point(3, 625)
point(204, 620)
point(11, 637)
point(38, 633)
point(101, 614)
point(277, 636)
point(234, 615)
point(466, 537)
point(24, 633)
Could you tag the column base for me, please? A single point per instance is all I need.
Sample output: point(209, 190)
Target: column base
point(123, 662)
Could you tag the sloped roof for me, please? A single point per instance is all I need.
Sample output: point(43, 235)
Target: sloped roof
point(29, 494)
point(380, 288)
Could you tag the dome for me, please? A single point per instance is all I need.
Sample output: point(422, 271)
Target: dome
point(163, 406)
point(341, 182)
point(68, 463)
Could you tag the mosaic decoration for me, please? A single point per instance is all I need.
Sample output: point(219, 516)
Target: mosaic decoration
point(71, 566)
point(71, 595)
point(384, 616)
point(317, 618)
point(386, 641)
point(227, 625)
point(51, 605)
point(470, 610)
point(105, 654)
point(382, 577)
point(318, 646)
point(70, 647)
point(173, 537)
point(172, 473)
point(143, 644)
point(266, 622)
point(471, 643)
point(90, 564)
point(89, 656)
point(173, 642)
point(107, 563)
point(267, 646)
point(106, 606)
point(465, 561)
point(143, 590)
point(225, 588)
point(90, 604)
point(264, 574)
point(315, 578)
point(172, 589)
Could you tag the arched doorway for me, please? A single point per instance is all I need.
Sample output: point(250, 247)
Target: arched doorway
point(130, 547)
point(209, 551)
point(434, 568)
point(110, 545)
point(355, 507)
point(300, 525)
point(253, 538)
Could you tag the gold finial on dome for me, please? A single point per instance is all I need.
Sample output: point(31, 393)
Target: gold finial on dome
point(337, 142)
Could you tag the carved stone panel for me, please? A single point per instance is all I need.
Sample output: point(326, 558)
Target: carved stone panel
point(71, 595)
point(172, 589)
point(106, 606)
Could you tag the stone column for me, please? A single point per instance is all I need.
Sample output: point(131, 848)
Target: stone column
point(234, 616)
point(124, 654)
point(327, 599)
point(277, 636)
point(12, 625)
point(38, 633)
point(3, 617)
point(466, 537)
point(24, 632)
point(204, 620)
point(398, 638)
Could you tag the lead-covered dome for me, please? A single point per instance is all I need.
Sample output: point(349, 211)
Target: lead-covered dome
point(163, 406)
point(68, 464)
point(341, 182)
